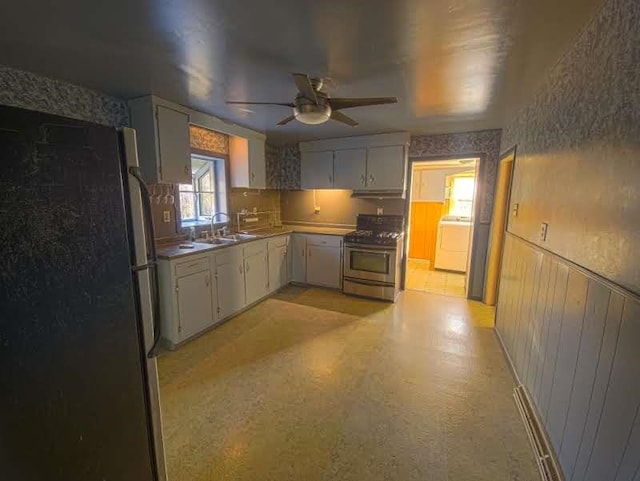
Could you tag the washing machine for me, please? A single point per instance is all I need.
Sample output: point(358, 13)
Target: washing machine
point(452, 244)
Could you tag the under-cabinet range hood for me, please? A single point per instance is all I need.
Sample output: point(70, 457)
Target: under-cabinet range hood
point(379, 194)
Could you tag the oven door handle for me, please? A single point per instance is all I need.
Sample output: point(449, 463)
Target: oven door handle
point(367, 282)
point(368, 248)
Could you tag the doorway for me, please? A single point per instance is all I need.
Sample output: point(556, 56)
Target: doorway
point(440, 233)
point(499, 225)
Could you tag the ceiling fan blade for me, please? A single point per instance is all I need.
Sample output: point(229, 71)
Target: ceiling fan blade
point(287, 120)
point(340, 117)
point(337, 103)
point(261, 103)
point(303, 82)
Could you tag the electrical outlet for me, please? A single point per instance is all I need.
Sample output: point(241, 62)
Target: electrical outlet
point(166, 216)
point(380, 211)
point(316, 209)
point(515, 209)
point(543, 231)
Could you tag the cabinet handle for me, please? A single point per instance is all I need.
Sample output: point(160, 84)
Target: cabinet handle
point(253, 176)
point(246, 268)
point(240, 269)
point(207, 281)
point(187, 170)
point(372, 179)
point(363, 179)
point(330, 179)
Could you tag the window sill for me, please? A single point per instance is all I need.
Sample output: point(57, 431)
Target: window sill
point(195, 223)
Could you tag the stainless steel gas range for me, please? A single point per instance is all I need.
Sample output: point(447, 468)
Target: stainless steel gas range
point(372, 257)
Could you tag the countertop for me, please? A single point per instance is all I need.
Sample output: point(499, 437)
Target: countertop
point(174, 251)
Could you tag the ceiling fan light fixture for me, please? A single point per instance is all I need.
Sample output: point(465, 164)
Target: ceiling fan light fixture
point(312, 114)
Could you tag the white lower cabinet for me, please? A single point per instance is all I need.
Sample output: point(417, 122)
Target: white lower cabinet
point(317, 260)
point(188, 303)
point(256, 277)
point(278, 262)
point(199, 290)
point(229, 271)
point(298, 256)
point(324, 261)
point(195, 304)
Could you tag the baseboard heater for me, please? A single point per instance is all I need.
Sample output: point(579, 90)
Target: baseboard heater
point(549, 469)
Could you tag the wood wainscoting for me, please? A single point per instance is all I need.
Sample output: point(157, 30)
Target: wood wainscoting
point(423, 229)
point(572, 338)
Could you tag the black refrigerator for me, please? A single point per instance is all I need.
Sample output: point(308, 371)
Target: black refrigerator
point(78, 381)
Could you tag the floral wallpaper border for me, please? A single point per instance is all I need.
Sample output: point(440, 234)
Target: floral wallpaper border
point(34, 92)
point(207, 140)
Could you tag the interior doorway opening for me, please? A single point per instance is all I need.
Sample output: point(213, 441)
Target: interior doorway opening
point(441, 213)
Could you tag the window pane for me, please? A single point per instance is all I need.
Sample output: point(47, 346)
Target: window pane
point(207, 204)
point(204, 182)
point(185, 187)
point(463, 188)
point(187, 205)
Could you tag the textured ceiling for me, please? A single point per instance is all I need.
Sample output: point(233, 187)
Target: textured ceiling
point(454, 65)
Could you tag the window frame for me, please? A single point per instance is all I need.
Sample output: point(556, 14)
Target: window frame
point(220, 195)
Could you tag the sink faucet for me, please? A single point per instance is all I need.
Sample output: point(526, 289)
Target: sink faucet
point(213, 216)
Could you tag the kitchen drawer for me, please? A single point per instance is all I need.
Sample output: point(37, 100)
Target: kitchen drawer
point(280, 241)
point(324, 240)
point(192, 266)
point(254, 247)
point(228, 255)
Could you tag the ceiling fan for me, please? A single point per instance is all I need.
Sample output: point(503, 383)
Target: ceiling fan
point(313, 106)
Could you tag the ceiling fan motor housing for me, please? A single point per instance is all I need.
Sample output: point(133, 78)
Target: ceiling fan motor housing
point(308, 112)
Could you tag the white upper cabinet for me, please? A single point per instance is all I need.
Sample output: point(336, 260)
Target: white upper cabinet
point(386, 167)
point(316, 170)
point(350, 168)
point(164, 146)
point(163, 141)
point(429, 185)
point(364, 163)
point(248, 168)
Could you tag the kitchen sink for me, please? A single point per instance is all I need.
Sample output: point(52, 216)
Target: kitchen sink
point(219, 240)
point(240, 237)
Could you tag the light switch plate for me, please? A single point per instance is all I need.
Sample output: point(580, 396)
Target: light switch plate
point(516, 206)
point(543, 231)
point(166, 216)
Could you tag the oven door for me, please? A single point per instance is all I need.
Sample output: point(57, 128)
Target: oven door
point(370, 263)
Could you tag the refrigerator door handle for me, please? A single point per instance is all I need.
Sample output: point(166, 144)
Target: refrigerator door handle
point(152, 261)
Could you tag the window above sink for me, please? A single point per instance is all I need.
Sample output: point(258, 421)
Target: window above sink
point(207, 192)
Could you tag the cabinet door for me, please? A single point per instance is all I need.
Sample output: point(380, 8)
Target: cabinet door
point(195, 304)
point(350, 169)
point(386, 168)
point(230, 287)
point(175, 149)
point(278, 268)
point(256, 277)
point(299, 258)
point(316, 170)
point(432, 185)
point(257, 165)
point(324, 266)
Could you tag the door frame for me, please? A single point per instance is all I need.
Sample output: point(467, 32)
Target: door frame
point(512, 154)
point(480, 160)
